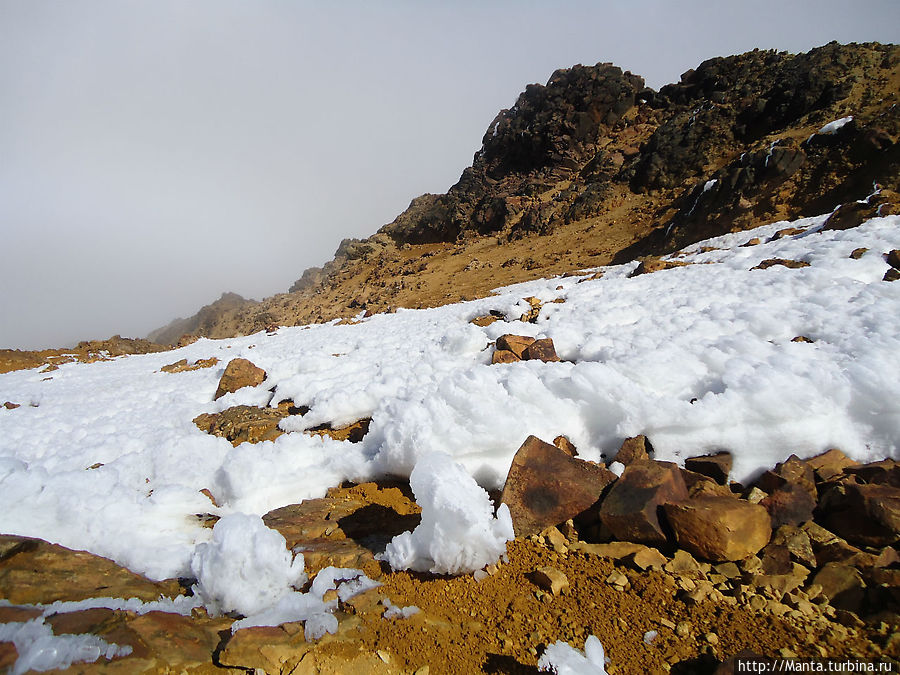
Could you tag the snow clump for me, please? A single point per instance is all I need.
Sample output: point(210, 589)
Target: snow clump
point(458, 533)
point(563, 659)
point(245, 568)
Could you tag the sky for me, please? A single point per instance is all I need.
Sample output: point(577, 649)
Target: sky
point(156, 154)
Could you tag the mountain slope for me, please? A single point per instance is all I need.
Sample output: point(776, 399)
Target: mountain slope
point(594, 168)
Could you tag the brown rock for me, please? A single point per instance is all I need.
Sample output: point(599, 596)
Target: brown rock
point(11, 406)
point(893, 274)
point(8, 656)
point(648, 558)
point(716, 466)
point(243, 423)
point(514, 343)
point(829, 464)
point(564, 444)
point(486, 320)
point(858, 253)
point(797, 544)
point(719, 528)
point(893, 258)
point(699, 485)
point(33, 571)
point(885, 472)
point(550, 579)
point(353, 432)
point(504, 356)
point(541, 350)
point(546, 486)
point(239, 373)
point(654, 264)
point(183, 365)
point(787, 232)
point(842, 585)
point(631, 509)
point(617, 550)
point(868, 515)
point(789, 505)
point(634, 449)
point(772, 262)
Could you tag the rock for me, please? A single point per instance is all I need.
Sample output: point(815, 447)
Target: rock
point(239, 373)
point(797, 544)
point(868, 515)
point(243, 423)
point(633, 449)
point(617, 580)
point(716, 466)
point(648, 558)
point(789, 505)
point(354, 432)
point(654, 264)
point(541, 350)
point(893, 274)
point(699, 485)
point(486, 320)
point(564, 444)
point(33, 571)
point(842, 585)
point(893, 258)
point(631, 509)
point(550, 579)
point(858, 253)
point(504, 356)
point(11, 406)
point(792, 470)
point(885, 472)
point(546, 486)
point(719, 528)
point(829, 464)
point(514, 343)
point(617, 550)
point(183, 365)
point(685, 565)
point(772, 262)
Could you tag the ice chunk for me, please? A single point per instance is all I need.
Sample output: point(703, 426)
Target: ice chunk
point(832, 127)
point(39, 649)
point(458, 532)
point(563, 659)
point(246, 567)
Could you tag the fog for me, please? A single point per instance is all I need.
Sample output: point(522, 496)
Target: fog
point(154, 154)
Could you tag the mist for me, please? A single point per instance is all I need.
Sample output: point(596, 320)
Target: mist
point(156, 154)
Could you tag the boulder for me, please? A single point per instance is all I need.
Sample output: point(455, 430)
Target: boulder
point(716, 466)
point(239, 373)
point(514, 343)
point(243, 423)
point(541, 350)
point(842, 585)
point(867, 515)
point(829, 464)
point(885, 472)
point(789, 505)
point(546, 486)
point(719, 528)
point(631, 509)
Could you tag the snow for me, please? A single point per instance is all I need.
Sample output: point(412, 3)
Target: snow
point(39, 649)
point(833, 127)
point(246, 567)
point(458, 532)
point(563, 659)
point(392, 611)
point(698, 358)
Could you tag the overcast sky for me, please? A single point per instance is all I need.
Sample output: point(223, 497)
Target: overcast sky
point(154, 154)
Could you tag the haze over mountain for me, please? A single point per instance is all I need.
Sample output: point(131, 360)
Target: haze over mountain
point(158, 154)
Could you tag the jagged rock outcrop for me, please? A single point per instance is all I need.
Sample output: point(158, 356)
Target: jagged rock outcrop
point(594, 168)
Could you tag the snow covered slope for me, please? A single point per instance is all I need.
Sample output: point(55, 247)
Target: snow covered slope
point(698, 358)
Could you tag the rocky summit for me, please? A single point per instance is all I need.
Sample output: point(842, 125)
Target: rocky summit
point(594, 168)
point(674, 444)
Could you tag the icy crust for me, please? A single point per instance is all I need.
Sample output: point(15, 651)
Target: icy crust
point(39, 649)
point(458, 532)
point(563, 659)
point(698, 358)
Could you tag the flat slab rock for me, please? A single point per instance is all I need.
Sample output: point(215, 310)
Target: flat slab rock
point(546, 486)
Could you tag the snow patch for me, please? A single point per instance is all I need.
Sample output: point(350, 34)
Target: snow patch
point(563, 659)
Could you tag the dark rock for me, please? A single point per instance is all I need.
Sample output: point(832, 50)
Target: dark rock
point(719, 528)
point(504, 356)
point(541, 350)
point(885, 472)
point(239, 373)
point(772, 262)
point(716, 466)
point(790, 504)
point(631, 509)
point(842, 585)
point(868, 515)
point(546, 486)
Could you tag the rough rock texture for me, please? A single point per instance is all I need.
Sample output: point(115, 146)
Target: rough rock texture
point(716, 466)
point(546, 486)
point(631, 509)
point(719, 528)
point(239, 373)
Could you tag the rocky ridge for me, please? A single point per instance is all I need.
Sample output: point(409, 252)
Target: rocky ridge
point(595, 168)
